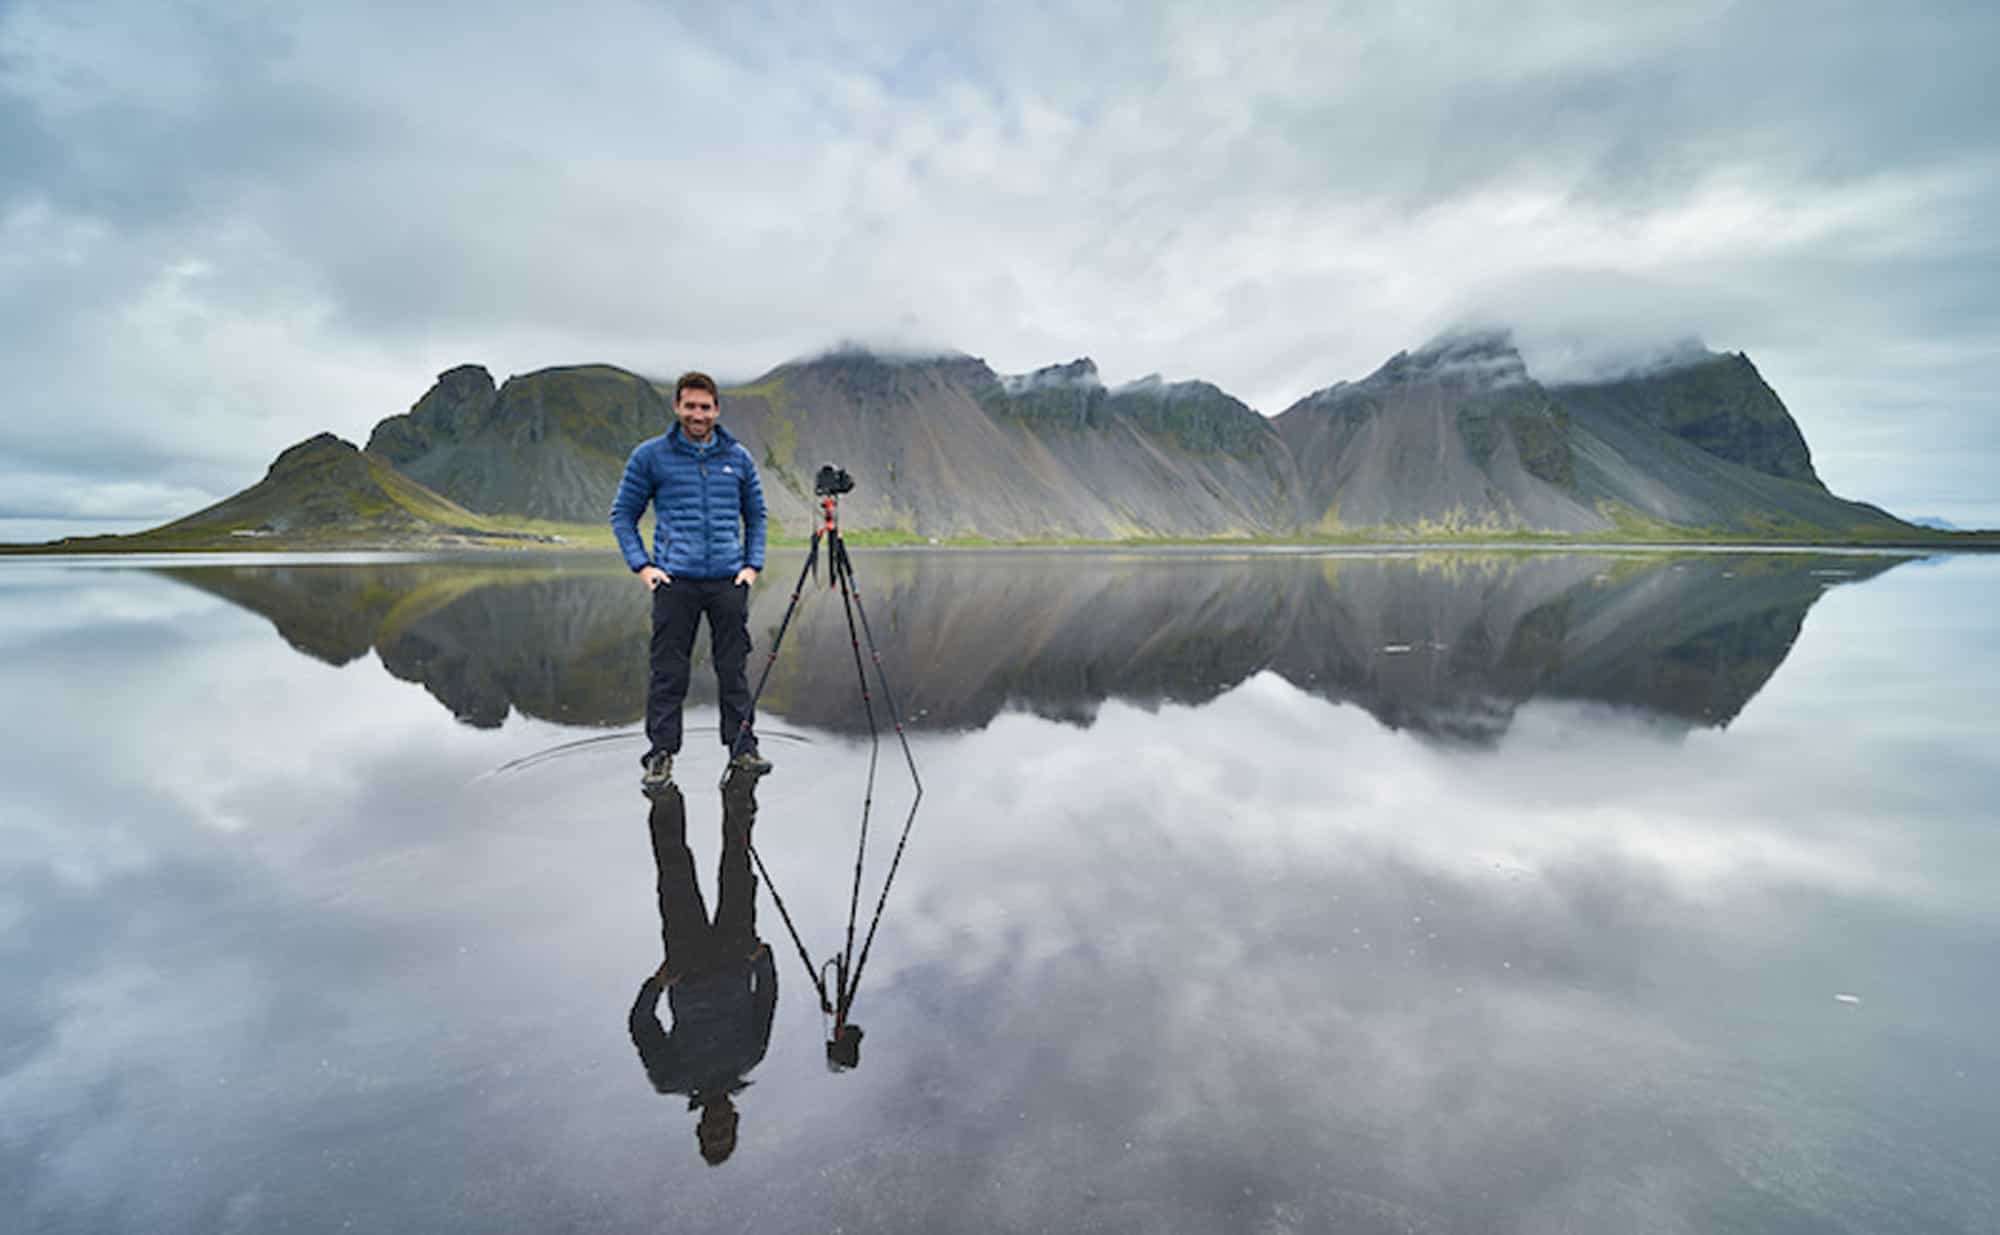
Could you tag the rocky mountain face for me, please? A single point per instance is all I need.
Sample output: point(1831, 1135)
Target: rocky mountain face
point(1459, 437)
point(941, 447)
point(546, 445)
point(1719, 403)
point(947, 447)
point(1454, 438)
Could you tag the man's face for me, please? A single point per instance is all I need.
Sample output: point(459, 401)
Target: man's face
point(696, 409)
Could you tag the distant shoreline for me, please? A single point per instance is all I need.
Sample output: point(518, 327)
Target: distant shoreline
point(124, 546)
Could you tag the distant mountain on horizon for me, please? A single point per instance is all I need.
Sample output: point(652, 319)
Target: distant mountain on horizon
point(1454, 439)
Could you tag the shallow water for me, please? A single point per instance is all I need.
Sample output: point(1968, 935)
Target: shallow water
point(1248, 892)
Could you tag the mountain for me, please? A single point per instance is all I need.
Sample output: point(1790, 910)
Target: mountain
point(1719, 403)
point(1451, 648)
point(1454, 439)
point(324, 492)
point(1458, 437)
point(944, 446)
point(1936, 524)
point(545, 446)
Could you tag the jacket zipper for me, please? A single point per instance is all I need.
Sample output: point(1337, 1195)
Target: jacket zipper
point(705, 564)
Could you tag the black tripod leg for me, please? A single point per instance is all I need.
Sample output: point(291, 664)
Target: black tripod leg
point(798, 589)
point(874, 654)
point(824, 1003)
point(840, 570)
point(895, 715)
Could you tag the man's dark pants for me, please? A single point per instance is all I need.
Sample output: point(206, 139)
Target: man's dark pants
point(695, 946)
point(678, 608)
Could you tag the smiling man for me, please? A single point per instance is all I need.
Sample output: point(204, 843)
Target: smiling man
point(708, 546)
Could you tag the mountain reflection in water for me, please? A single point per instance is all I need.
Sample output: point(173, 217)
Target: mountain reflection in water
point(1446, 645)
point(1519, 942)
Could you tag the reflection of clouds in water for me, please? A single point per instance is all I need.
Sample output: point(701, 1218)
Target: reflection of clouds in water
point(49, 605)
point(100, 791)
point(1595, 863)
point(127, 746)
point(246, 1001)
point(254, 901)
point(1411, 962)
point(1191, 930)
point(1295, 786)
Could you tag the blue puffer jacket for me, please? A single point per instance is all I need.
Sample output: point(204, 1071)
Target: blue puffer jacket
point(708, 506)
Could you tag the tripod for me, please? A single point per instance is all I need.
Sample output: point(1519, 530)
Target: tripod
point(837, 1002)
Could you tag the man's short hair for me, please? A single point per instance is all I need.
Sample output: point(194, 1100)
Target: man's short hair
point(694, 379)
point(716, 1131)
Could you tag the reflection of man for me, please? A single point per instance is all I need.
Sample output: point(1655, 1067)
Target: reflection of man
point(708, 546)
point(721, 983)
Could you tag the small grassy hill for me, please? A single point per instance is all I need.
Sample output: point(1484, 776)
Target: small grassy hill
point(325, 493)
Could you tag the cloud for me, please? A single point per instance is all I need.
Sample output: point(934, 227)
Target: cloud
point(54, 496)
point(223, 228)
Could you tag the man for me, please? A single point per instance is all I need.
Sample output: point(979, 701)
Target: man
point(708, 547)
point(720, 979)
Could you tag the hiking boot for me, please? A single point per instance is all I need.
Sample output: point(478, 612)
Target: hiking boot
point(659, 771)
point(751, 762)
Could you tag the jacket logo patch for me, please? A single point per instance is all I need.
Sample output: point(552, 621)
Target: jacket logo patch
point(728, 469)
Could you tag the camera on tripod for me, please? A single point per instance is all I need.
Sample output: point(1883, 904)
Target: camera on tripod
point(832, 481)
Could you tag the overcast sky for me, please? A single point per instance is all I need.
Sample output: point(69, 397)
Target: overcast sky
point(227, 226)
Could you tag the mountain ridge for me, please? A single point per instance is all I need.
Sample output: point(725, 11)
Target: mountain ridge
point(1455, 438)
